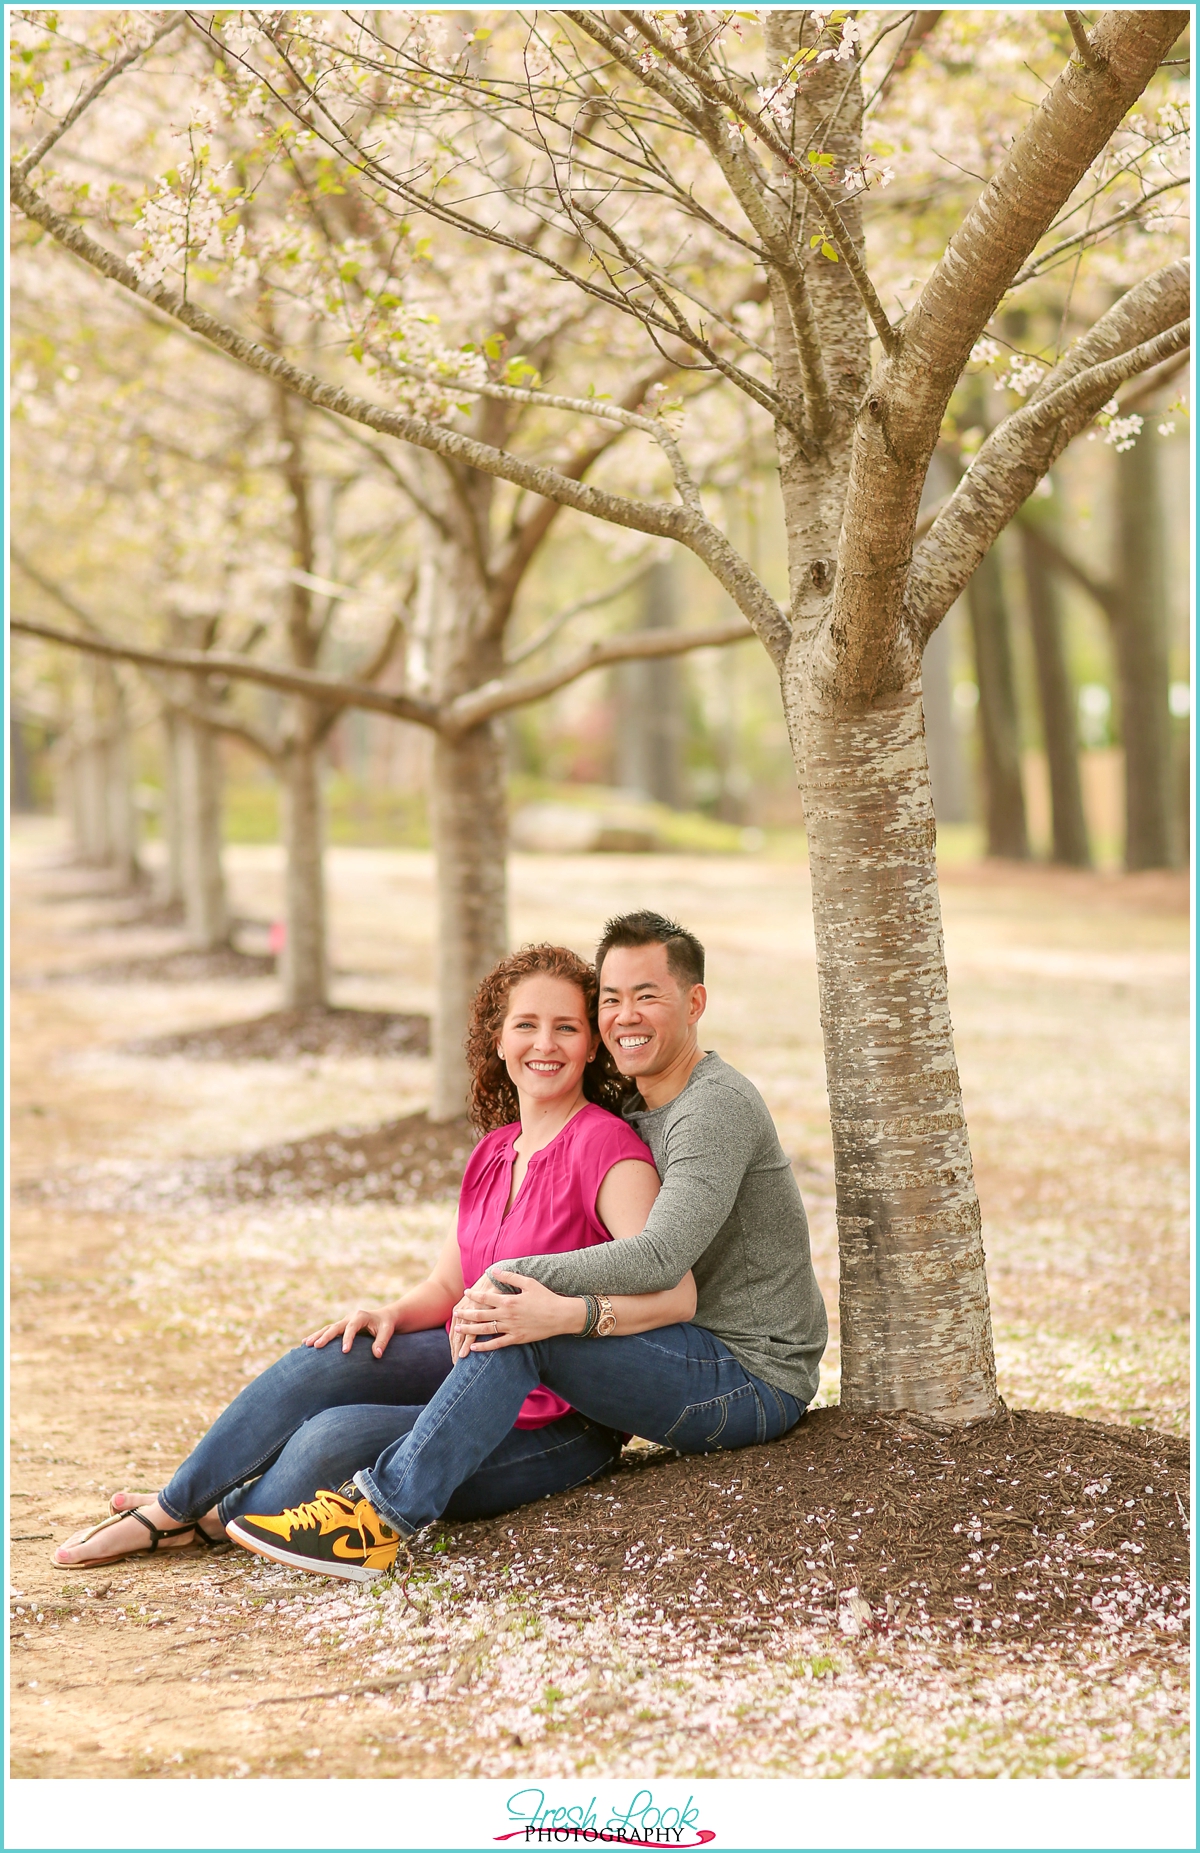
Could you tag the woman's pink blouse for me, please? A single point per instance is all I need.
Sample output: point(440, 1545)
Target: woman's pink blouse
point(555, 1210)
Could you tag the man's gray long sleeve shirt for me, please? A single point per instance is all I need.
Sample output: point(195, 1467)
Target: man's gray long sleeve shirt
point(730, 1210)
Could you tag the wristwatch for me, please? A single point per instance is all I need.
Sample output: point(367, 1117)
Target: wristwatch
point(607, 1322)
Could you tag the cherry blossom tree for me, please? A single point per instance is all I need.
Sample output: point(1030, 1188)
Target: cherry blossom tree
point(642, 145)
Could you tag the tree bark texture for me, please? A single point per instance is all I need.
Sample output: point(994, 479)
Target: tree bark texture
point(1139, 622)
point(305, 972)
point(1069, 837)
point(197, 803)
point(470, 840)
point(999, 736)
point(916, 1329)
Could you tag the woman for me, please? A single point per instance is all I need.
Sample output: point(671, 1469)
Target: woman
point(556, 1170)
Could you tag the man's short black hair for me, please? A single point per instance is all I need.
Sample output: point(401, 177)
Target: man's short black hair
point(685, 954)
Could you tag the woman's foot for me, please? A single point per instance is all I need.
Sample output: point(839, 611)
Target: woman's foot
point(119, 1537)
point(125, 1501)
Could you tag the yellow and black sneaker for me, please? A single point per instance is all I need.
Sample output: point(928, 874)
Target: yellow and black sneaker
point(335, 1534)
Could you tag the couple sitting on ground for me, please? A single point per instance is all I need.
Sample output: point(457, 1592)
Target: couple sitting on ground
point(630, 1189)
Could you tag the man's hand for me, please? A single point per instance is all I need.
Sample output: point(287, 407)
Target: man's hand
point(381, 1324)
point(486, 1319)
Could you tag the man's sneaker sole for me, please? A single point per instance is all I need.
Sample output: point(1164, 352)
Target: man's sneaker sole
point(279, 1553)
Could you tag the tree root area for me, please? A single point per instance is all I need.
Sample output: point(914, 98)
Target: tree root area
point(407, 1160)
point(286, 1035)
point(1029, 1527)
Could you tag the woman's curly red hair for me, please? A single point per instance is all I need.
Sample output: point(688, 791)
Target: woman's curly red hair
point(493, 1099)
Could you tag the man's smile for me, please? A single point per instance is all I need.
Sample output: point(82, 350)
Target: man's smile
point(632, 1042)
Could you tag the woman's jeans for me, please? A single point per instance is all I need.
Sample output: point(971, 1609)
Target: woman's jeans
point(317, 1416)
point(679, 1385)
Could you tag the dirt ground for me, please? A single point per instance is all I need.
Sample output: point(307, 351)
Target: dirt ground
point(141, 1303)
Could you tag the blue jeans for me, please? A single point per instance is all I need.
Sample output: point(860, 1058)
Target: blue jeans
point(680, 1386)
point(316, 1416)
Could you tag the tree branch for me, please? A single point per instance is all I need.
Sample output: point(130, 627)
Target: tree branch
point(1092, 235)
point(1083, 44)
point(1056, 556)
point(718, 91)
point(690, 529)
point(37, 155)
point(481, 704)
point(550, 630)
point(327, 689)
point(602, 409)
point(1073, 122)
point(1007, 469)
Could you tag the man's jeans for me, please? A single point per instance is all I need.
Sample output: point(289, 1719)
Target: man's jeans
point(316, 1416)
point(680, 1386)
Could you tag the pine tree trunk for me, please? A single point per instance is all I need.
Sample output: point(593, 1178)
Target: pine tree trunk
point(197, 805)
point(1057, 697)
point(1003, 797)
point(1140, 640)
point(470, 829)
point(916, 1329)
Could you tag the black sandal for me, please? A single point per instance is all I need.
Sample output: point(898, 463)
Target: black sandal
point(157, 1534)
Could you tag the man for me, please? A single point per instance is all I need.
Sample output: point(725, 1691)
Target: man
point(746, 1366)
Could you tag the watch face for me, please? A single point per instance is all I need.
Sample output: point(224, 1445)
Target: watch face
point(607, 1324)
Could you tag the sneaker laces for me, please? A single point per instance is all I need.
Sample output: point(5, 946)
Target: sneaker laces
point(314, 1512)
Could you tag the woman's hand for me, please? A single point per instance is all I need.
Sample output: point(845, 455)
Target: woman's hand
point(486, 1319)
point(381, 1324)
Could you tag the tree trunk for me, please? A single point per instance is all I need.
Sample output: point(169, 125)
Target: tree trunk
point(92, 765)
point(650, 733)
point(470, 829)
point(20, 778)
point(196, 808)
point(947, 773)
point(1004, 799)
point(305, 964)
point(1140, 640)
point(169, 816)
point(1057, 697)
point(119, 798)
point(916, 1329)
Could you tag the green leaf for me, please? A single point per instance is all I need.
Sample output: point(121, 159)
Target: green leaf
point(815, 240)
point(493, 347)
point(819, 160)
point(828, 251)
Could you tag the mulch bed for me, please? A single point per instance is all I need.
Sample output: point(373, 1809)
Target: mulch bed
point(1023, 1528)
point(179, 967)
point(285, 1035)
point(405, 1161)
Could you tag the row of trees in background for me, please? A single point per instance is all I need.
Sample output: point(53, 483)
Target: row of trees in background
point(660, 208)
point(1134, 602)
